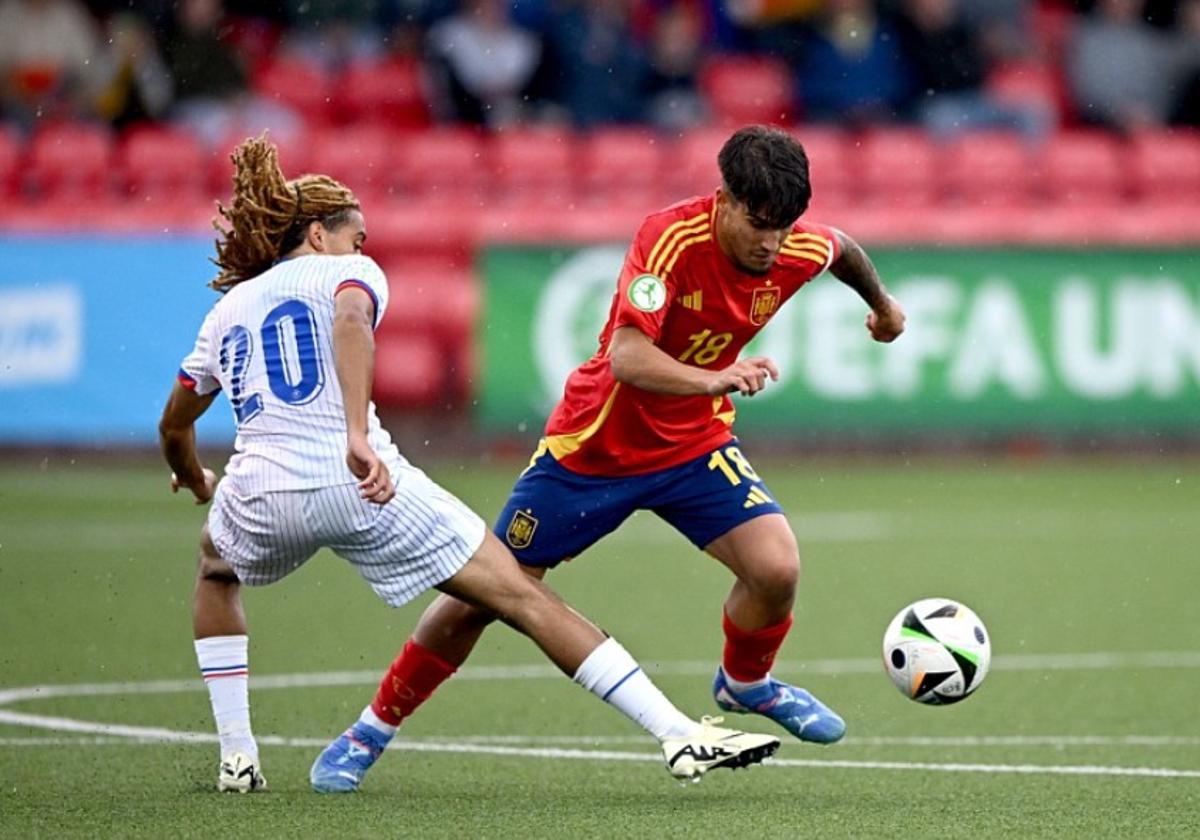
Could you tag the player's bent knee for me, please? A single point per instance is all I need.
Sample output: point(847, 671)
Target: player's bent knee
point(209, 565)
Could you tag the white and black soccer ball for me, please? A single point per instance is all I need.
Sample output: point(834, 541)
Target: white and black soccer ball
point(937, 651)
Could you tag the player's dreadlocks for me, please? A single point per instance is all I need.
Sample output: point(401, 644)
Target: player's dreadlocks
point(766, 169)
point(270, 215)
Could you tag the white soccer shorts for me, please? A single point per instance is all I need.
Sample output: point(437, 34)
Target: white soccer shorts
point(419, 539)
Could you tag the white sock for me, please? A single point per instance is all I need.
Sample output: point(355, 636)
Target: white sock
point(374, 721)
point(741, 687)
point(611, 674)
point(225, 667)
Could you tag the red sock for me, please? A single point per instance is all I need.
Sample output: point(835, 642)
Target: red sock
point(413, 676)
point(750, 654)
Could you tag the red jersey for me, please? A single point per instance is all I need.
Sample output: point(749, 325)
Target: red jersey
point(686, 295)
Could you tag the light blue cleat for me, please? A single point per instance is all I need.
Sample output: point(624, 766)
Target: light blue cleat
point(341, 767)
point(793, 708)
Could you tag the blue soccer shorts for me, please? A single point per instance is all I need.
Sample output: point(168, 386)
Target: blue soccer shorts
point(554, 514)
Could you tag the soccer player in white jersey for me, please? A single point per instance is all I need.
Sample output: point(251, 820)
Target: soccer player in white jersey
point(290, 343)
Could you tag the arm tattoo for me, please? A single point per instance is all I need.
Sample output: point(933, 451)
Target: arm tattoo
point(854, 268)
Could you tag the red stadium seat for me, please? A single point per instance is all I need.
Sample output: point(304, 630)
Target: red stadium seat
point(616, 163)
point(831, 163)
point(899, 167)
point(441, 163)
point(164, 163)
point(1166, 165)
point(70, 160)
point(10, 157)
point(408, 229)
point(301, 85)
point(531, 164)
point(432, 294)
point(989, 168)
point(409, 370)
point(694, 163)
point(295, 158)
point(389, 92)
point(748, 89)
point(1082, 167)
point(361, 157)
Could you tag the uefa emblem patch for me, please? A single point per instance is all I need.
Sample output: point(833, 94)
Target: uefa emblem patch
point(647, 292)
point(520, 529)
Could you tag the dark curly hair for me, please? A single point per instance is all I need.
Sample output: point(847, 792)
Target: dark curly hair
point(766, 169)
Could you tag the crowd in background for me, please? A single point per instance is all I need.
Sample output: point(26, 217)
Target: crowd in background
point(1124, 64)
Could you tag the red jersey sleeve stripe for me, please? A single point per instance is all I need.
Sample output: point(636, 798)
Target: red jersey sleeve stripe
point(358, 284)
point(186, 380)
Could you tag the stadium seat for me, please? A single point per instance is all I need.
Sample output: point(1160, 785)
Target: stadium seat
point(433, 294)
point(743, 89)
point(362, 157)
point(616, 163)
point(1082, 167)
point(301, 85)
point(694, 163)
point(409, 370)
point(388, 92)
point(899, 167)
point(988, 168)
point(10, 159)
point(831, 163)
point(532, 164)
point(164, 163)
point(444, 163)
point(1166, 165)
point(295, 157)
point(405, 229)
point(70, 160)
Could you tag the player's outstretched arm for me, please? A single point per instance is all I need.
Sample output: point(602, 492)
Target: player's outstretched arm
point(853, 267)
point(354, 358)
point(177, 438)
point(638, 361)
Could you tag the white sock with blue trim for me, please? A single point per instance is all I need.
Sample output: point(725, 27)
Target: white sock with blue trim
point(224, 663)
point(611, 674)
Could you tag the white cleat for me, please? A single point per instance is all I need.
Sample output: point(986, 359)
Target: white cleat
point(239, 773)
point(712, 746)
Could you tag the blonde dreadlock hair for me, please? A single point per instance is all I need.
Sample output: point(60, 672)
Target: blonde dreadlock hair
point(270, 215)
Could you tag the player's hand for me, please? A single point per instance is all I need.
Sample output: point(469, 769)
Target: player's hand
point(202, 490)
point(747, 377)
point(887, 323)
point(375, 482)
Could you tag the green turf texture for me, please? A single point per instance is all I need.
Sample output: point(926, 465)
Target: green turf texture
point(1058, 557)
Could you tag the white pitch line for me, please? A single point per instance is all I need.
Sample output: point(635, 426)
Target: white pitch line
point(155, 734)
point(832, 667)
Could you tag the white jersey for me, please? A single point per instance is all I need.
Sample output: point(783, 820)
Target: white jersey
point(268, 343)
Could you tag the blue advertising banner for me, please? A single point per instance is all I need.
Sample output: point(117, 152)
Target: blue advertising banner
point(92, 330)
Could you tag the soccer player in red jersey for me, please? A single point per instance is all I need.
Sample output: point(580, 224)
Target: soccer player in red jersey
point(645, 424)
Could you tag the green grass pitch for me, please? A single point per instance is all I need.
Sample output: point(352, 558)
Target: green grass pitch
point(1085, 571)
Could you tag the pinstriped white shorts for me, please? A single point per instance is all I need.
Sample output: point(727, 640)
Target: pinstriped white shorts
point(419, 539)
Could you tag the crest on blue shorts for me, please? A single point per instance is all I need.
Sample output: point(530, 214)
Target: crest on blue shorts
point(520, 529)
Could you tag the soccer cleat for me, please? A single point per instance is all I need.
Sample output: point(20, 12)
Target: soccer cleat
point(793, 708)
point(239, 773)
point(341, 767)
point(712, 746)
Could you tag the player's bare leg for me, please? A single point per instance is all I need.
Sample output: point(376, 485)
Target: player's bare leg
point(219, 623)
point(763, 555)
point(491, 585)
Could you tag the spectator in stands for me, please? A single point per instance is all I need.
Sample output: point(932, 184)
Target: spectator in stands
point(1186, 108)
point(676, 51)
point(849, 64)
point(1118, 66)
point(138, 85)
point(602, 69)
point(951, 69)
point(47, 50)
point(486, 64)
point(333, 33)
point(212, 93)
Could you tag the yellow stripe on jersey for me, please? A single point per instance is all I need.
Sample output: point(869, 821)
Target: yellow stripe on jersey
point(683, 246)
point(666, 234)
point(805, 255)
point(561, 446)
point(678, 240)
point(787, 247)
point(799, 237)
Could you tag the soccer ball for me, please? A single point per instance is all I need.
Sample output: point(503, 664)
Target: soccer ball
point(936, 651)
